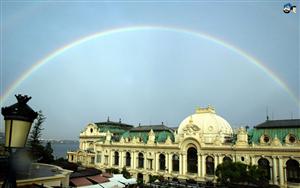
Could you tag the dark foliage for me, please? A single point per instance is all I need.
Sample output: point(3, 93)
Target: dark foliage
point(125, 173)
point(237, 173)
point(112, 171)
point(38, 151)
point(35, 145)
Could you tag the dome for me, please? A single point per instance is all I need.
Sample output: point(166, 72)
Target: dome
point(209, 125)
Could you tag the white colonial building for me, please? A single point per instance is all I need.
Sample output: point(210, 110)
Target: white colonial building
point(194, 149)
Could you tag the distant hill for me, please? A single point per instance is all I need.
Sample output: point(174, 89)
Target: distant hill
point(52, 141)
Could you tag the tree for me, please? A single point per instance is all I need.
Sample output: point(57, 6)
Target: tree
point(125, 173)
point(35, 146)
point(37, 150)
point(47, 156)
point(230, 173)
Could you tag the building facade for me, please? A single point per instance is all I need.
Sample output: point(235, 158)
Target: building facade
point(194, 149)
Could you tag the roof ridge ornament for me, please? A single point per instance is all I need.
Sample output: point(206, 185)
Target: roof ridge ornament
point(208, 109)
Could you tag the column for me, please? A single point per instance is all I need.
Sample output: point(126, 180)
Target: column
point(215, 162)
point(274, 171)
point(184, 164)
point(110, 158)
point(203, 166)
point(180, 164)
point(170, 167)
point(252, 160)
point(219, 159)
point(281, 176)
point(121, 159)
point(199, 165)
point(156, 162)
point(132, 160)
point(145, 162)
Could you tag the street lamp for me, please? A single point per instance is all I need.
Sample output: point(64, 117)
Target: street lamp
point(18, 119)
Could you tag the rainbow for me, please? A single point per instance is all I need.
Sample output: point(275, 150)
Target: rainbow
point(109, 32)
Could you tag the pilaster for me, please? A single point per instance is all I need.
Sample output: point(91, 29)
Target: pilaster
point(199, 165)
point(170, 167)
point(180, 164)
point(280, 167)
point(184, 164)
point(275, 182)
point(203, 166)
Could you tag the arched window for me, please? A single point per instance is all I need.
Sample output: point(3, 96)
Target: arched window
point(227, 159)
point(175, 163)
point(128, 159)
point(162, 162)
point(192, 160)
point(292, 171)
point(141, 160)
point(265, 165)
point(116, 158)
point(210, 166)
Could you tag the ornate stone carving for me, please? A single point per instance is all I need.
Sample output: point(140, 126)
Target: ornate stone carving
point(242, 137)
point(190, 128)
point(168, 141)
point(276, 141)
point(151, 137)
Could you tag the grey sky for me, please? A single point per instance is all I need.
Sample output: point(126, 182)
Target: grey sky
point(150, 76)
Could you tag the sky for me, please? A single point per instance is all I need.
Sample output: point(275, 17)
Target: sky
point(155, 61)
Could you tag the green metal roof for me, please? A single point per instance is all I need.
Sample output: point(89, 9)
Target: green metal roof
point(113, 127)
point(161, 133)
point(281, 133)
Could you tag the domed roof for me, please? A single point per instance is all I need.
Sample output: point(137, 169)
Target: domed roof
point(207, 123)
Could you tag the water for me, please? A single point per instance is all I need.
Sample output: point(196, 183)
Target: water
point(60, 149)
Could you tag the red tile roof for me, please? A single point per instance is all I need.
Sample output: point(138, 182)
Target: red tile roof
point(98, 179)
point(80, 182)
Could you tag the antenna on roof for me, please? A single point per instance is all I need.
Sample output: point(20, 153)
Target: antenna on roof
point(107, 118)
point(272, 115)
point(162, 123)
point(267, 113)
point(120, 120)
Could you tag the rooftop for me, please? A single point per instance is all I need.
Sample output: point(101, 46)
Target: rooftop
point(287, 123)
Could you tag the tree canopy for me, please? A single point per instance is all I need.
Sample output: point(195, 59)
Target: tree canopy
point(39, 152)
point(229, 173)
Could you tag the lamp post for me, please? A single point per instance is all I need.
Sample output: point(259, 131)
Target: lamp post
point(18, 119)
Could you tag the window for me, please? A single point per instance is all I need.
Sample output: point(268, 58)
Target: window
point(175, 163)
point(116, 158)
point(192, 160)
point(106, 160)
point(98, 158)
point(210, 165)
point(162, 162)
point(150, 167)
point(92, 160)
point(265, 165)
point(227, 159)
point(140, 160)
point(91, 130)
point(290, 139)
point(293, 171)
point(128, 159)
point(264, 139)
